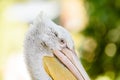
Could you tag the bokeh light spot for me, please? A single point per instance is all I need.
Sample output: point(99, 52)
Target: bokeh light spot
point(103, 78)
point(110, 49)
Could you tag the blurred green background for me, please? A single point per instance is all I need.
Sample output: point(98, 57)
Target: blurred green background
point(93, 24)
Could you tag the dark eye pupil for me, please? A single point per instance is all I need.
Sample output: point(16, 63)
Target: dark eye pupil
point(62, 41)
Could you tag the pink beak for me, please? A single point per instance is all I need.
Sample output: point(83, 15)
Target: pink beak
point(71, 61)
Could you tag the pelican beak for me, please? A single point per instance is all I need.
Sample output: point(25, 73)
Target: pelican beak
point(71, 61)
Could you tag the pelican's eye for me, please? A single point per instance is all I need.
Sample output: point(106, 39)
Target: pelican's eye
point(62, 42)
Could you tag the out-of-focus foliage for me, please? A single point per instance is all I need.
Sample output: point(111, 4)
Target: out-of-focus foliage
point(101, 48)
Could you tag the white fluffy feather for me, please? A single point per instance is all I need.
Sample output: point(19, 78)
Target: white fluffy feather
point(43, 36)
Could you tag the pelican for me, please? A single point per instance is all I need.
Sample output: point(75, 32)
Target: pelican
point(49, 52)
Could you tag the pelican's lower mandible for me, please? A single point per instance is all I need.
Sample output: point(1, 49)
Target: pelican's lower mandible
point(64, 65)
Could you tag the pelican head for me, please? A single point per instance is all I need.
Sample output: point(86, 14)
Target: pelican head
point(45, 38)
